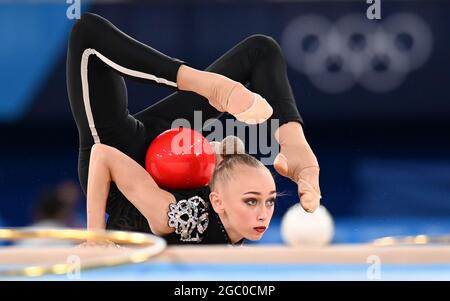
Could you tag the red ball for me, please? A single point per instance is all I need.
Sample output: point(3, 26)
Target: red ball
point(180, 158)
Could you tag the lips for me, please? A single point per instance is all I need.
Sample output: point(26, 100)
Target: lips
point(260, 229)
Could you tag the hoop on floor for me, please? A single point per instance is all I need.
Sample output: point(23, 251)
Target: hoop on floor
point(412, 240)
point(140, 248)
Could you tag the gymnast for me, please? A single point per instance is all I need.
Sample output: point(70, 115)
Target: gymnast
point(249, 82)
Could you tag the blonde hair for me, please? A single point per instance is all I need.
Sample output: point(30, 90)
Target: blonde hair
point(232, 151)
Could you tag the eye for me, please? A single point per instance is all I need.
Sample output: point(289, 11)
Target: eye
point(250, 202)
point(270, 202)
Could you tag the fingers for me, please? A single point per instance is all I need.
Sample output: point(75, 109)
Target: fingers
point(97, 244)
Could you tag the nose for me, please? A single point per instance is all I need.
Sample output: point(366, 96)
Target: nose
point(263, 214)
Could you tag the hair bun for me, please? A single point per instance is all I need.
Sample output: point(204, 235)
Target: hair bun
point(232, 145)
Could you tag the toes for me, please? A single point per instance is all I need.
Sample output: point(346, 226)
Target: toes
point(280, 164)
point(309, 203)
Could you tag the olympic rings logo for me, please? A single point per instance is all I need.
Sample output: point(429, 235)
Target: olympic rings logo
point(378, 56)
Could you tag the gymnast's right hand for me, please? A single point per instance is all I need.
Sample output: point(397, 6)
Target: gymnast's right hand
point(102, 244)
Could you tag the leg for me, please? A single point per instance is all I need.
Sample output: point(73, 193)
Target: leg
point(260, 61)
point(98, 54)
point(256, 61)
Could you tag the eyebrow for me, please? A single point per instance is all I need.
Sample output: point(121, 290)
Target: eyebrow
point(258, 193)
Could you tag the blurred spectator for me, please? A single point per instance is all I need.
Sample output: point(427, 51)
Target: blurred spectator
point(55, 209)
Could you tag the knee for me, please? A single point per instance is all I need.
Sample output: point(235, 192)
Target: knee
point(82, 27)
point(265, 42)
point(78, 29)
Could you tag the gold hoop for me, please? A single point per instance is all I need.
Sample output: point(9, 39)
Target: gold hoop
point(151, 246)
point(412, 240)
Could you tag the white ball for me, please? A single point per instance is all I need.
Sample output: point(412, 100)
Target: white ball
point(300, 228)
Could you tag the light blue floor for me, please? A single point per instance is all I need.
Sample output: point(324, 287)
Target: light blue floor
point(346, 231)
point(362, 230)
point(246, 272)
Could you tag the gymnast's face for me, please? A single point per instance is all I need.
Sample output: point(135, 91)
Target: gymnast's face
point(246, 202)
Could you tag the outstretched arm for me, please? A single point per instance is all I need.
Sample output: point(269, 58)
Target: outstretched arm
point(109, 164)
